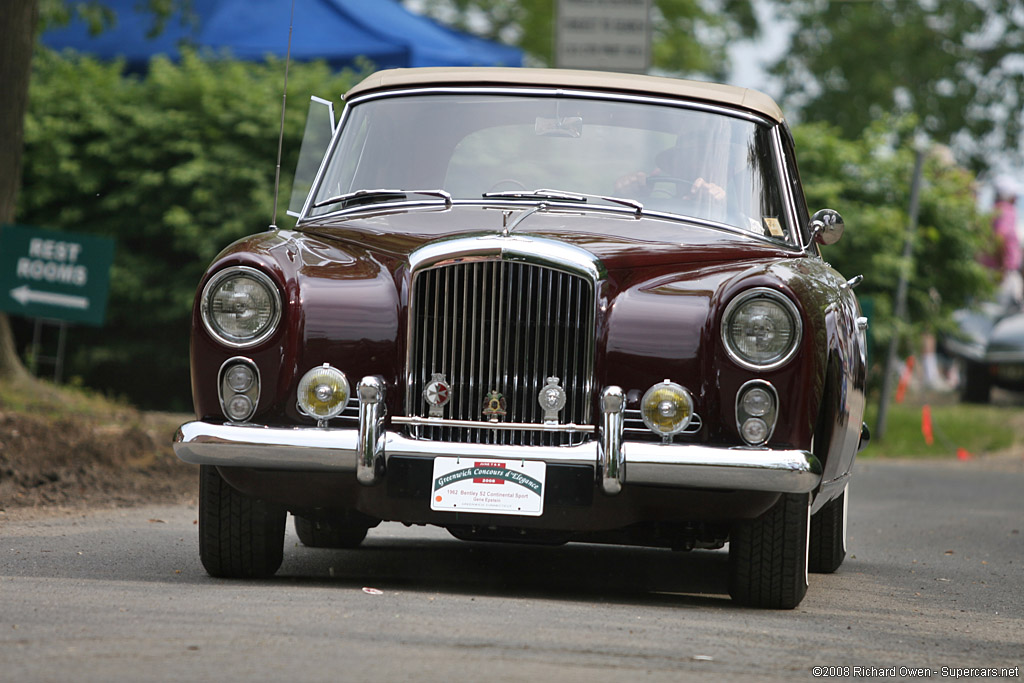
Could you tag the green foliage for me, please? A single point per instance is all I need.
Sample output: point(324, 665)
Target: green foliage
point(690, 37)
point(174, 165)
point(868, 181)
point(950, 62)
point(980, 430)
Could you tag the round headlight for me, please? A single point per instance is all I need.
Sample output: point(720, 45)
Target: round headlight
point(666, 408)
point(323, 392)
point(755, 431)
point(239, 378)
point(757, 402)
point(241, 306)
point(239, 408)
point(761, 329)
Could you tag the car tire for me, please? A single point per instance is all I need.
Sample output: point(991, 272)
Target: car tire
point(240, 537)
point(325, 533)
point(768, 555)
point(828, 535)
point(975, 384)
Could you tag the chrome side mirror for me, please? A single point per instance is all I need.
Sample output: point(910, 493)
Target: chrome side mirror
point(827, 227)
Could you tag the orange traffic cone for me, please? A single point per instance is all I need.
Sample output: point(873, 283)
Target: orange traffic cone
point(926, 424)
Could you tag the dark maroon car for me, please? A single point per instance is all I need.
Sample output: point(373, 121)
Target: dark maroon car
point(541, 306)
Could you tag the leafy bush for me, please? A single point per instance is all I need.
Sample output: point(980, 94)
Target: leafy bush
point(175, 165)
point(869, 183)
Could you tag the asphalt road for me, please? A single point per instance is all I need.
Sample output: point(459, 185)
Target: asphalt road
point(934, 580)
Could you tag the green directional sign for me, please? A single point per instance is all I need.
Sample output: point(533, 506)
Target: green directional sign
point(58, 275)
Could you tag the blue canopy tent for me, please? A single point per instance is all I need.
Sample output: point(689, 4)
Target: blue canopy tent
point(339, 32)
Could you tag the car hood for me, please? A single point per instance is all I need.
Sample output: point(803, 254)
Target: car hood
point(617, 240)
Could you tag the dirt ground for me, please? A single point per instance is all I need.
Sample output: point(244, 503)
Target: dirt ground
point(74, 463)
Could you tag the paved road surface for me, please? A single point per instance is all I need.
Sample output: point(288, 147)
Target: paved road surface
point(936, 579)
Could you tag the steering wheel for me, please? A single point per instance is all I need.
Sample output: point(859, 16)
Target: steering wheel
point(507, 181)
point(682, 185)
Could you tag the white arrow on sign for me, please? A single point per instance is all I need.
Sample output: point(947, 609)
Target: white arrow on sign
point(23, 295)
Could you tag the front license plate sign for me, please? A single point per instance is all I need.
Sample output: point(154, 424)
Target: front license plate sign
point(501, 487)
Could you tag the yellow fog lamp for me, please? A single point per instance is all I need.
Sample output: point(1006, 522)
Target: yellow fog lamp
point(666, 409)
point(323, 393)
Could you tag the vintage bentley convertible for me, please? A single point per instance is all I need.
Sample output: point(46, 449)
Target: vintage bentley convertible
point(536, 306)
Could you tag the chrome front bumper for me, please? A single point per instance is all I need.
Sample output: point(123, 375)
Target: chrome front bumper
point(365, 451)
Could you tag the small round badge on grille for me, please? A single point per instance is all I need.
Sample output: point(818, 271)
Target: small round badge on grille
point(437, 393)
point(551, 399)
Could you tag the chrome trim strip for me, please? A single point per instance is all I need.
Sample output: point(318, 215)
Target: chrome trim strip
point(335, 450)
point(480, 424)
point(612, 465)
point(370, 463)
point(582, 93)
point(783, 180)
point(538, 251)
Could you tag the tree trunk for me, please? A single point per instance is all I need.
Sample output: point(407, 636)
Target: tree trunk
point(18, 20)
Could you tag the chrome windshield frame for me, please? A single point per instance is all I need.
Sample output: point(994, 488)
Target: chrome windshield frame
point(533, 91)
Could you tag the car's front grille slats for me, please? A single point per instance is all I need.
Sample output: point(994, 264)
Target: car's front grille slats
point(506, 327)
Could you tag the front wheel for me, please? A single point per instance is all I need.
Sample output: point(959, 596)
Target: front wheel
point(240, 537)
point(768, 555)
point(975, 384)
point(828, 535)
point(329, 533)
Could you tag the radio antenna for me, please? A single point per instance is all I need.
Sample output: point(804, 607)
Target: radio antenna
point(284, 102)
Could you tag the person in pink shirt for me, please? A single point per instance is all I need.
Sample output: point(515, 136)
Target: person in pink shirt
point(1006, 256)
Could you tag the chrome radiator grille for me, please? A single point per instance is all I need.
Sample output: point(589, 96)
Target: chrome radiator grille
point(500, 326)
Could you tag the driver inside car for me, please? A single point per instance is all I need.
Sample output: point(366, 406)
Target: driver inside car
point(678, 174)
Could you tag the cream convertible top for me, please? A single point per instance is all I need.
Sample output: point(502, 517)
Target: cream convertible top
point(743, 98)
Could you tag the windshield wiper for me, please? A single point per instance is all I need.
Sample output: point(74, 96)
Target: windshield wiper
point(377, 196)
point(554, 195)
point(562, 195)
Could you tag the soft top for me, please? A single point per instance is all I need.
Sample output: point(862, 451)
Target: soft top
point(744, 98)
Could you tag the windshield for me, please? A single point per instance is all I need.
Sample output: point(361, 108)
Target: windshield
point(700, 164)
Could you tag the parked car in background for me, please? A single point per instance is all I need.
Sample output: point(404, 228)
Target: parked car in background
point(536, 306)
point(989, 348)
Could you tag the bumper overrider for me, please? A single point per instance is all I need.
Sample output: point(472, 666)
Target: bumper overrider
point(365, 451)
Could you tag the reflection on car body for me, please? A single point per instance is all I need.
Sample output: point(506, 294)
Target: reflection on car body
point(474, 325)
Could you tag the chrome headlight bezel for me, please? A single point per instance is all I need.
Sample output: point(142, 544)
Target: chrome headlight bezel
point(736, 306)
point(766, 414)
point(681, 398)
point(330, 405)
point(208, 315)
point(226, 393)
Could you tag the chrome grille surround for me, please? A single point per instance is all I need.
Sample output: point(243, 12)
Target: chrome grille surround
point(501, 313)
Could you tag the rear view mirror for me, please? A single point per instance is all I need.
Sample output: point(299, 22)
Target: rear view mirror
point(316, 139)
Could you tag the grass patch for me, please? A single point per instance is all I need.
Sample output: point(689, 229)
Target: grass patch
point(45, 399)
point(980, 429)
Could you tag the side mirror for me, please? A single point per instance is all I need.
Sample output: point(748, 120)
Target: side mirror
point(827, 227)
